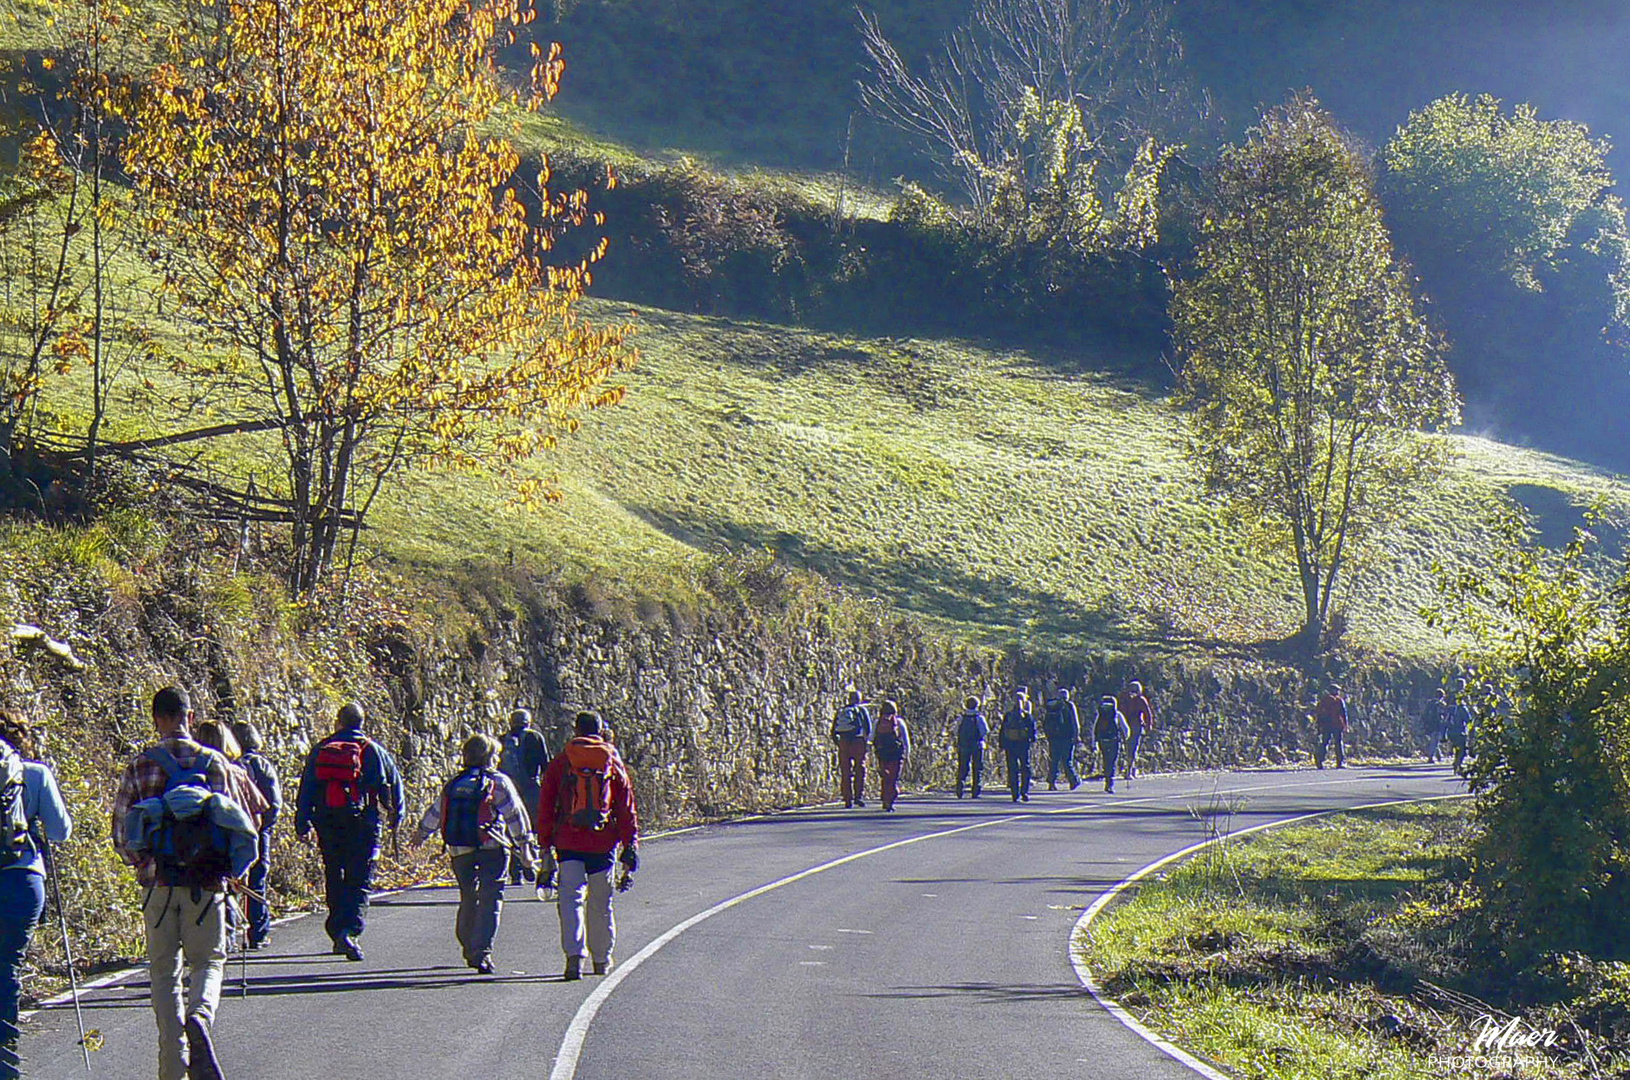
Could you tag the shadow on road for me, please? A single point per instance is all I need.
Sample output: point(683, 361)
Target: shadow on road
point(987, 993)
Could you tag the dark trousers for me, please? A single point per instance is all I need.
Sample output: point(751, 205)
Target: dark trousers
point(350, 846)
point(1061, 756)
point(480, 877)
point(970, 758)
point(1130, 762)
point(260, 914)
point(1326, 739)
point(22, 899)
point(1111, 750)
point(1018, 771)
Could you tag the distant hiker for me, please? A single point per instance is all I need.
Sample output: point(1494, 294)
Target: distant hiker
point(852, 732)
point(1140, 720)
point(1330, 721)
point(350, 791)
point(174, 821)
point(1018, 734)
point(971, 732)
point(1434, 723)
point(1062, 724)
point(1458, 725)
point(892, 744)
point(30, 803)
point(482, 820)
point(523, 759)
point(262, 772)
point(241, 786)
point(1110, 731)
point(586, 811)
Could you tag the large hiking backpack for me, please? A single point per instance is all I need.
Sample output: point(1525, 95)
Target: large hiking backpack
point(1053, 725)
point(339, 770)
point(585, 789)
point(1016, 728)
point(469, 816)
point(967, 732)
point(188, 848)
point(849, 721)
point(15, 844)
point(887, 741)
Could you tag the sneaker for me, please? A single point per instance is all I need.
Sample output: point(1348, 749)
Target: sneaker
point(260, 943)
point(201, 1063)
point(602, 966)
point(574, 969)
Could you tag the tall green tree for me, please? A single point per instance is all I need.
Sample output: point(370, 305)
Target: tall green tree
point(1306, 366)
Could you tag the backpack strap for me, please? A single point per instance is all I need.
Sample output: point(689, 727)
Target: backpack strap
point(165, 760)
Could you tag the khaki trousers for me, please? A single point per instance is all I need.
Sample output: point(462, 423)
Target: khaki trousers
point(182, 927)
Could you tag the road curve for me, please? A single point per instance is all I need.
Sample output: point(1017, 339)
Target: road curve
point(929, 942)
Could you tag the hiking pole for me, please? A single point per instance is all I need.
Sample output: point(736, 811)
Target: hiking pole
point(67, 949)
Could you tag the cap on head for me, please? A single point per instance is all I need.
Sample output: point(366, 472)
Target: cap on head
point(520, 718)
point(587, 724)
point(351, 715)
point(171, 703)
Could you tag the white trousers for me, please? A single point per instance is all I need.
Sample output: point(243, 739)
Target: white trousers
point(601, 932)
point(179, 927)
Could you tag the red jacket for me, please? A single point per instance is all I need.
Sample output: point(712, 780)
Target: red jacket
point(1331, 714)
point(622, 827)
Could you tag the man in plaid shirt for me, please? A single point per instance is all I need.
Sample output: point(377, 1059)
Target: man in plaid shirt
point(179, 920)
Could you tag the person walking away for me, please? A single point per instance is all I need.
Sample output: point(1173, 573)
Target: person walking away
point(175, 823)
point(1018, 734)
point(892, 744)
point(1140, 720)
point(1110, 731)
point(1063, 728)
point(1458, 727)
point(1434, 722)
point(971, 732)
point(1330, 722)
point(585, 813)
point(482, 820)
point(30, 802)
point(350, 791)
point(852, 732)
point(522, 760)
point(264, 775)
point(244, 792)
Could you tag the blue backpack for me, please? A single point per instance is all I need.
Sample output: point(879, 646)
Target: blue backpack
point(187, 846)
point(469, 819)
point(15, 844)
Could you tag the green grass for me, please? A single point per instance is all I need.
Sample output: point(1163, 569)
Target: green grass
point(1295, 954)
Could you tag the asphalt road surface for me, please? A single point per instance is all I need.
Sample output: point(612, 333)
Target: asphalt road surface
point(824, 943)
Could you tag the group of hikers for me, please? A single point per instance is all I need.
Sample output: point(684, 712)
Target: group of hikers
point(1117, 733)
point(194, 815)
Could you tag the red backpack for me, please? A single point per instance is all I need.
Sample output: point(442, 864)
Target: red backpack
point(339, 770)
point(585, 788)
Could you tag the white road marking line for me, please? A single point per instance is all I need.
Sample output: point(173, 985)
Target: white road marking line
point(577, 1032)
point(1115, 1008)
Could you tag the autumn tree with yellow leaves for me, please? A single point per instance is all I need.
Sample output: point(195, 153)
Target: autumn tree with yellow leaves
point(329, 209)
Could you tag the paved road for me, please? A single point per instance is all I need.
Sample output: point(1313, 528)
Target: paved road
point(942, 955)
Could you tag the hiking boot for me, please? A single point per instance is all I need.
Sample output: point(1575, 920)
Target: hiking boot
point(1025, 797)
point(348, 949)
point(861, 803)
point(849, 805)
point(574, 969)
point(201, 1063)
point(602, 966)
point(483, 966)
point(1052, 786)
point(260, 943)
point(1075, 785)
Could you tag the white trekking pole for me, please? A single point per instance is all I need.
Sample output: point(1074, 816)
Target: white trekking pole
point(67, 949)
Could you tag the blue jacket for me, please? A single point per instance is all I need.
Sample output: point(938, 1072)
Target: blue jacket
point(972, 731)
point(243, 841)
point(47, 815)
point(265, 777)
point(380, 780)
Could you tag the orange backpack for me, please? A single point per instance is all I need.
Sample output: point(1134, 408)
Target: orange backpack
point(585, 789)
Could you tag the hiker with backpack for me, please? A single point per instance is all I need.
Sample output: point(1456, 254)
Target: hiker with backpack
point(350, 791)
point(586, 813)
point(1110, 731)
point(1063, 728)
point(892, 744)
point(1457, 727)
point(852, 732)
point(264, 775)
point(175, 822)
point(1018, 734)
point(1330, 723)
point(971, 732)
point(1435, 724)
point(219, 737)
point(30, 802)
point(1140, 720)
point(523, 757)
point(482, 820)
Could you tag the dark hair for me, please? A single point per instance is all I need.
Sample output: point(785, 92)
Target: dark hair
point(171, 703)
point(351, 715)
point(587, 723)
point(248, 736)
point(854, 696)
point(971, 703)
point(16, 731)
point(479, 750)
point(523, 717)
point(891, 708)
